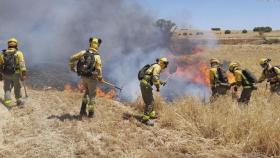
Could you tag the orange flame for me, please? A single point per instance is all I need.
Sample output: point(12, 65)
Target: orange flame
point(81, 89)
point(192, 69)
point(109, 95)
point(231, 78)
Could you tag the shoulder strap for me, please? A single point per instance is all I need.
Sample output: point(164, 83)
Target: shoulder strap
point(152, 69)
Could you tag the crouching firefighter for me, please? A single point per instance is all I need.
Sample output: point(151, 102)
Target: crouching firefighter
point(13, 70)
point(218, 79)
point(149, 75)
point(245, 79)
point(87, 64)
point(271, 74)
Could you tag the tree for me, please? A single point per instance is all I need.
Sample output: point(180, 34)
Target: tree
point(216, 29)
point(244, 31)
point(227, 32)
point(262, 29)
point(165, 25)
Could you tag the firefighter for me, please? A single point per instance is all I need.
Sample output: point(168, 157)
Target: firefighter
point(151, 77)
point(271, 74)
point(218, 79)
point(87, 64)
point(245, 79)
point(13, 71)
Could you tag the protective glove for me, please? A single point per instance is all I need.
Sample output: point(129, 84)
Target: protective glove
point(100, 78)
point(163, 83)
point(158, 88)
point(23, 76)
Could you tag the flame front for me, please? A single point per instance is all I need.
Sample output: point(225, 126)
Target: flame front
point(111, 94)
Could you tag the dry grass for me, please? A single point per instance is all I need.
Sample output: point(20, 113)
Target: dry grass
point(186, 127)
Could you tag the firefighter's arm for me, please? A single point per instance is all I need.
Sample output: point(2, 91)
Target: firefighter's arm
point(212, 77)
point(156, 77)
point(1, 64)
point(1, 59)
point(98, 67)
point(21, 62)
point(238, 78)
point(75, 58)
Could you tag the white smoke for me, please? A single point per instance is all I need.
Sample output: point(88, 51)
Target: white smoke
point(51, 31)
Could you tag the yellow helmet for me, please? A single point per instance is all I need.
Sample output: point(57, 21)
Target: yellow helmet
point(12, 42)
point(163, 61)
point(214, 60)
point(232, 66)
point(95, 42)
point(264, 61)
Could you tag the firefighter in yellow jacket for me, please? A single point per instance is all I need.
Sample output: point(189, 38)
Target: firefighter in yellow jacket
point(151, 77)
point(271, 74)
point(245, 79)
point(87, 64)
point(13, 70)
point(218, 79)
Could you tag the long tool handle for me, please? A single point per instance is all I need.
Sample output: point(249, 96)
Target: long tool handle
point(110, 84)
point(25, 90)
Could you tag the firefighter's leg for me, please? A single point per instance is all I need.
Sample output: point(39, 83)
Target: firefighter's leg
point(245, 95)
point(83, 108)
point(17, 89)
point(214, 94)
point(8, 85)
point(92, 94)
point(147, 95)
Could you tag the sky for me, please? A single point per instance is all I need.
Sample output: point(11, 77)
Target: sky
point(226, 14)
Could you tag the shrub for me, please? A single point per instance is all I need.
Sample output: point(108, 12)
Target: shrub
point(262, 29)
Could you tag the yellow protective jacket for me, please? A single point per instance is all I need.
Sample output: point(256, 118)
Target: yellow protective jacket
point(152, 75)
point(213, 76)
point(241, 80)
point(272, 74)
point(20, 62)
point(78, 55)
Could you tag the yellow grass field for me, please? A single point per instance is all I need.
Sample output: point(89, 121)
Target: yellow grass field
point(48, 126)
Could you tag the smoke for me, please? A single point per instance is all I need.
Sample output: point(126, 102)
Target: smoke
point(51, 31)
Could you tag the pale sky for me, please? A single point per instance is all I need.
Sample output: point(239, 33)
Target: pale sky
point(227, 14)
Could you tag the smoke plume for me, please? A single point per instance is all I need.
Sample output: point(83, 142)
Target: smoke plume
point(51, 31)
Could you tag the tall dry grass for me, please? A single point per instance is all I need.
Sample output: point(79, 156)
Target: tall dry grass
point(252, 129)
point(224, 128)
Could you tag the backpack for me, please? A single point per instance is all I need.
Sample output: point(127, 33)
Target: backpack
point(222, 77)
point(251, 78)
point(86, 64)
point(271, 72)
point(142, 72)
point(10, 66)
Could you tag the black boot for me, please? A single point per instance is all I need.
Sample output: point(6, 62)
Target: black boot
point(83, 111)
point(91, 114)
